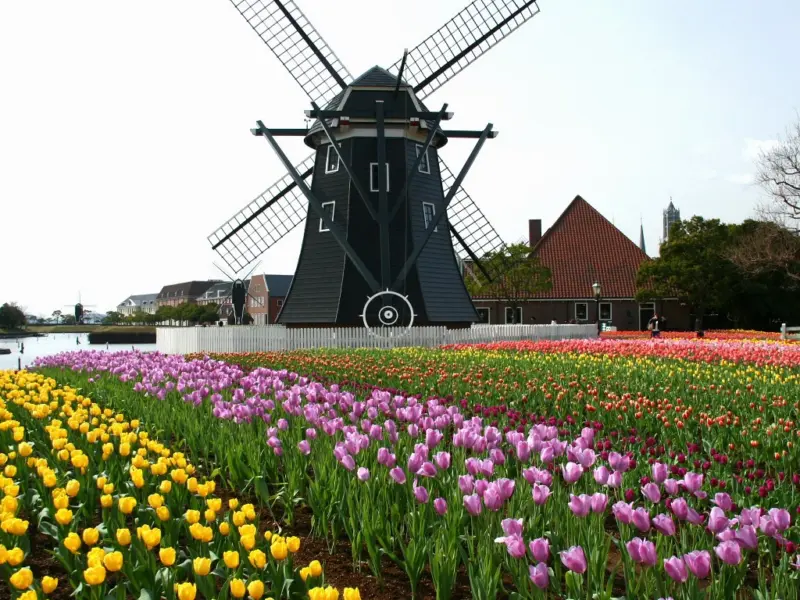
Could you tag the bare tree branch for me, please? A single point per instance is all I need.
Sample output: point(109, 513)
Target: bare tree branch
point(779, 176)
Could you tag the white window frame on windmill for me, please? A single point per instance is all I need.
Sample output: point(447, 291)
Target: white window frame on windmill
point(373, 171)
point(325, 205)
point(426, 219)
point(424, 164)
point(328, 160)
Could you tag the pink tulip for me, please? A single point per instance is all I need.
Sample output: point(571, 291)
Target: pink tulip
point(398, 475)
point(641, 519)
point(747, 536)
point(729, 553)
point(547, 454)
point(781, 518)
point(679, 508)
point(659, 472)
point(652, 492)
point(676, 569)
point(580, 505)
point(699, 563)
point(442, 460)
point(493, 498)
point(619, 462)
point(304, 447)
point(540, 494)
point(724, 501)
point(574, 559)
point(623, 512)
point(693, 481)
point(473, 504)
point(515, 545)
point(727, 535)
point(540, 548)
point(440, 505)
point(466, 483)
point(480, 487)
point(717, 521)
point(599, 502)
point(601, 474)
point(664, 524)
point(750, 516)
point(642, 552)
point(420, 493)
point(427, 470)
point(348, 462)
point(506, 487)
point(523, 451)
point(615, 480)
point(512, 526)
point(571, 472)
point(671, 486)
point(539, 575)
point(473, 466)
point(362, 474)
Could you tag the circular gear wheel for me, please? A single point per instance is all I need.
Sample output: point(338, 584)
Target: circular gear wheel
point(386, 312)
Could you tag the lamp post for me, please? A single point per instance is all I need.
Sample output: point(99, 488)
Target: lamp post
point(597, 291)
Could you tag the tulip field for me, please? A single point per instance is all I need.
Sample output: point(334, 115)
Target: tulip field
point(583, 469)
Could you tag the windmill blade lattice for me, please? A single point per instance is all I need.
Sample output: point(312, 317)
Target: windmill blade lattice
point(292, 38)
point(260, 224)
point(462, 40)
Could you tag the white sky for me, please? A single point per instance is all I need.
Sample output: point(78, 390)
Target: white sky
point(124, 126)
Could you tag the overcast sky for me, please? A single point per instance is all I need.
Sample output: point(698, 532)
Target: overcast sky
point(124, 126)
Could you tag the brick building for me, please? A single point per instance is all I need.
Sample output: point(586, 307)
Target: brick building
point(581, 248)
point(178, 293)
point(267, 293)
point(220, 294)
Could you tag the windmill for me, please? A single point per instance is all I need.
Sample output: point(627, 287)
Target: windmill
point(385, 218)
point(239, 294)
point(79, 310)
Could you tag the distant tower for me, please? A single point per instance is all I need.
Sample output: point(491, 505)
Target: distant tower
point(671, 215)
point(641, 237)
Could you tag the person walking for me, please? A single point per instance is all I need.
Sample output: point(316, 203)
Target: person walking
point(653, 326)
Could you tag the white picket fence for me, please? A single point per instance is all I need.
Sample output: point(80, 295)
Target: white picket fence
point(789, 333)
point(262, 338)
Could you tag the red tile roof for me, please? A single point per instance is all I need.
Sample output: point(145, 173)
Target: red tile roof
point(583, 247)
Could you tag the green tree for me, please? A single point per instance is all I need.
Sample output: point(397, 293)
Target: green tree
point(68, 320)
point(11, 316)
point(112, 318)
point(164, 313)
point(693, 266)
point(247, 319)
point(57, 316)
point(516, 275)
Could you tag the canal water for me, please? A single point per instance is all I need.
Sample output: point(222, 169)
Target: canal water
point(53, 343)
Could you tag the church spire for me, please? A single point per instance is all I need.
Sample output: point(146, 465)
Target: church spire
point(641, 236)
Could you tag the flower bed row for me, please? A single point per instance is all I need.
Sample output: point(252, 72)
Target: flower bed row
point(427, 485)
point(123, 513)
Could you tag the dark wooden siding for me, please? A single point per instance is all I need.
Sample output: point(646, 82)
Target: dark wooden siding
point(314, 294)
point(443, 291)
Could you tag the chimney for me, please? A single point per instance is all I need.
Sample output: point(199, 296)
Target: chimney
point(534, 231)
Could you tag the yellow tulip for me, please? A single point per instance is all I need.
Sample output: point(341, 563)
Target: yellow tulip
point(201, 565)
point(151, 538)
point(101, 481)
point(49, 584)
point(279, 550)
point(237, 588)
point(163, 513)
point(165, 487)
point(95, 557)
point(304, 573)
point(25, 449)
point(95, 575)
point(167, 556)
point(72, 488)
point(14, 557)
point(214, 504)
point(106, 500)
point(15, 526)
point(108, 488)
point(238, 518)
point(22, 579)
point(293, 543)
point(72, 542)
point(90, 536)
point(209, 515)
point(113, 561)
point(127, 504)
point(186, 591)
point(268, 535)
point(248, 541)
point(224, 528)
point(123, 537)
point(255, 589)
point(64, 516)
point(29, 595)
point(155, 501)
point(351, 594)
point(257, 558)
point(231, 559)
point(233, 504)
point(192, 516)
point(316, 568)
point(191, 484)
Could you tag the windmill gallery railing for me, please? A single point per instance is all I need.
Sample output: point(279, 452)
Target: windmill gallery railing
point(184, 340)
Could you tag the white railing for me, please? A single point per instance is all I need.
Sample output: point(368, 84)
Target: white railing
point(789, 333)
point(263, 338)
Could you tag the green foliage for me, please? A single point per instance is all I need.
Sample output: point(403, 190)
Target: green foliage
point(521, 275)
point(112, 318)
point(68, 320)
point(11, 316)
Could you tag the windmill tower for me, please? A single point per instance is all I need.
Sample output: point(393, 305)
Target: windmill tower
point(386, 222)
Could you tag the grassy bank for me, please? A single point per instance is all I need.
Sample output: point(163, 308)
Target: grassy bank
point(91, 329)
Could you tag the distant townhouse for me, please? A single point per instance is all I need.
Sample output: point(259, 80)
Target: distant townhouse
point(220, 294)
point(267, 293)
point(178, 293)
point(145, 303)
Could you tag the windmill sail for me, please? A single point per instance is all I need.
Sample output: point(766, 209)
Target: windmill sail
point(260, 224)
point(462, 40)
point(292, 38)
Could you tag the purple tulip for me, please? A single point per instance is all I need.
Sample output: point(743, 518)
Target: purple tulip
point(540, 493)
point(726, 535)
point(539, 575)
point(671, 486)
point(659, 472)
point(729, 553)
point(781, 518)
point(571, 472)
point(433, 437)
point(440, 505)
point(497, 457)
point(664, 524)
point(304, 447)
point(540, 548)
point(348, 462)
point(724, 501)
point(362, 473)
point(694, 517)
point(614, 480)
point(623, 512)
point(427, 470)
point(717, 521)
point(699, 563)
point(523, 451)
point(679, 508)
point(599, 502)
point(512, 526)
point(652, 492)
point(642, 552)
point(473, 504)
point(767, 526)
point(676, 569)
point(486, 467)
point(480, 487)
point(415, 462)
point(383, 456)
point(466, 483)
point(580, 505)
point(398, 475)
point(442, 460)
point(750, 516)
point(420, 493)
point(601, 474)
point(693, 481)
point(574, 559)
point(641, 519)
point(492, 497)
point(547, 455)
point(505, 487)
point(747, 536)
point(515, 545)
point(619, 462)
